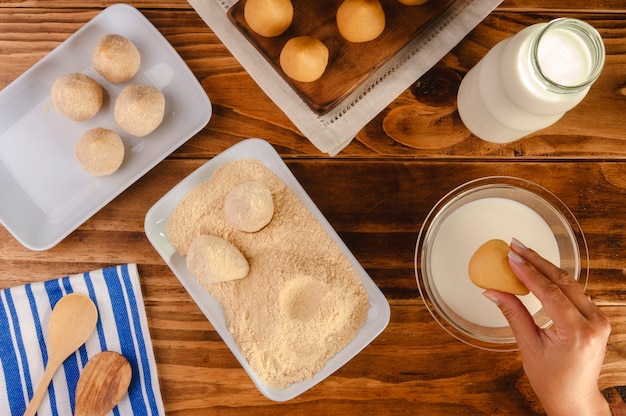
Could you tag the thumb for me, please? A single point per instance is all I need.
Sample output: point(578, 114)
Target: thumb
point(516, 314)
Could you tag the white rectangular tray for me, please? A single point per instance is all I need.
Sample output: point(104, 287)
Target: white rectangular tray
point(45, 194)
point(156, 219)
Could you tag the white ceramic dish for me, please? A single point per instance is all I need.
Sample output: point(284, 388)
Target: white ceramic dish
point(379, 312)
point(45, 193)
point(483, 209)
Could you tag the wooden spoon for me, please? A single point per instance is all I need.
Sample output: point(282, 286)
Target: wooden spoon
point(104, 381)
point(72, 321)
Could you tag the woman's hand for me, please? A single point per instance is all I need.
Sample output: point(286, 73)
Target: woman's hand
point(563, 362)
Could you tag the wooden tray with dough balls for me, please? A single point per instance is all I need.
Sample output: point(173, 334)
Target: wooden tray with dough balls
point(349, 64)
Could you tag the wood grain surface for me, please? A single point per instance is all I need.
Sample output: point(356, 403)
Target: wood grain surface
point(376, 194)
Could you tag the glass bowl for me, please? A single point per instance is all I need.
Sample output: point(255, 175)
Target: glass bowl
point(483, 209)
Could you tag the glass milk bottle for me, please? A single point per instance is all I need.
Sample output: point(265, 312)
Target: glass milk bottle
point(527, 82)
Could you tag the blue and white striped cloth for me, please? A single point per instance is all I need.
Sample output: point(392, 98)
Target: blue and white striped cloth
point(122, 327)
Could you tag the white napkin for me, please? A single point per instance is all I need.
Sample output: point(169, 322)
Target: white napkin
point(122, 327)
point(333, 131)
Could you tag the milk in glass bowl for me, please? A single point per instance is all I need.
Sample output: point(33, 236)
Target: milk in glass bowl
point(495, 207)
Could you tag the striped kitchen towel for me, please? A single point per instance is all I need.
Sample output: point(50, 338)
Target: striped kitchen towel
point(122, 327)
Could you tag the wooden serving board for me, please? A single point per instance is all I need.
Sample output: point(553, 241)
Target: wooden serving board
point(350, 64)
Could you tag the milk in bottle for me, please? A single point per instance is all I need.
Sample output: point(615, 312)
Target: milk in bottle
point(527, 82)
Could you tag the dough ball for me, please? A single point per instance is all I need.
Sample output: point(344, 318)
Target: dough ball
point(489, 269)
point(304, 58)
point(100, 151)
point(268, 18)
point(212, 259)
point(360, 20)
point(139, 109)
point(301, 298)
point(249, 206)
point(76, 96)
point(116, 58)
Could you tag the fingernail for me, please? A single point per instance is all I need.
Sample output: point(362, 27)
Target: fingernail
point(517, 243)
point(492, 297)
point(515, 257)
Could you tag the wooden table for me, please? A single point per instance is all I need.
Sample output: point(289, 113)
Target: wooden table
point(376, 193)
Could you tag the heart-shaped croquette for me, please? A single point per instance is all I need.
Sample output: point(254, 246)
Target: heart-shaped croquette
point(489, 269)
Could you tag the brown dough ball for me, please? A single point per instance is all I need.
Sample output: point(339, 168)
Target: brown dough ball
point(249, 206)
point(360, 20)
point(100, 151)
point(76, 96)
point(268, 17)
point(304, 58)
point(139, 109)
point(116, 58)
point(489, 269)
point(212, 259)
